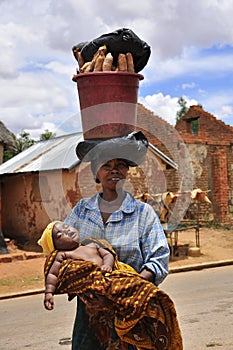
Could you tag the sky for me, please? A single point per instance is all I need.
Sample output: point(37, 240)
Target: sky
point(191, 56)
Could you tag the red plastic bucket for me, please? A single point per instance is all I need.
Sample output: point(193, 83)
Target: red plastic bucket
point(108, 103)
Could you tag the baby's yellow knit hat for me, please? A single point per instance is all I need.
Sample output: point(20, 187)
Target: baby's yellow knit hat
point(46, 240)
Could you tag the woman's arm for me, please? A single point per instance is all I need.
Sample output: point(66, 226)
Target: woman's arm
point(154, 248)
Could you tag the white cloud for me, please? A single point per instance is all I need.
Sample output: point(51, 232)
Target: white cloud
point(221, 105)
point(30, 96)
point(190, 62)
point(225, 113)
point(37, 64)
point(164, 106)
point(58, 67)
point(188, 86)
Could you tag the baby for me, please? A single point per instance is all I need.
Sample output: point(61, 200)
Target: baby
point(143, 315)
point(66, 239)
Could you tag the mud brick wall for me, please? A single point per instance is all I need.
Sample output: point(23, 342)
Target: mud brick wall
point(163, 136)
point(217, 164)
point(230, 179)
point(220, 184)
point(210, 149)
point(210, 129)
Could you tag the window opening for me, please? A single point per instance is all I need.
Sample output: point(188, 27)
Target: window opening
point(194, 126)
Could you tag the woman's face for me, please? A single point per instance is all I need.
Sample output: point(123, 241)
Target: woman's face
point(111, 173)
point(65, 237)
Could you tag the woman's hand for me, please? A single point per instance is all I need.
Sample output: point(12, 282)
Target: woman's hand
point(147, 275)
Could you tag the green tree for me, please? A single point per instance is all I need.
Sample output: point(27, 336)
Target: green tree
point(183, 108)
point(8, 154)
point(46, 135)
point(23, 142)
point(20, 144)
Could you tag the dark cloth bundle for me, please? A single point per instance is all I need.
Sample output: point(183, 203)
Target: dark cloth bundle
point(132, 148)
point(120, 41)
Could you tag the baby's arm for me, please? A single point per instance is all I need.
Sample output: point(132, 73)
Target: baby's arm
point(51, 280)
point(107, 259)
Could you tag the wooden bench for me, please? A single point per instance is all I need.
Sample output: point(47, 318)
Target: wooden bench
point(172, 235)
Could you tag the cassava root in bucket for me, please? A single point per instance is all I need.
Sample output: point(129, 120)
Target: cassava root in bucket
point(104, 62)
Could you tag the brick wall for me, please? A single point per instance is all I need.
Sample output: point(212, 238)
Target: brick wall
point(213, 171)
point(220, 185)
point(230, 179)
point(217, 169)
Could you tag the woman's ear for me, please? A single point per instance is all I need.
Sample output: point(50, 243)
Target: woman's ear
point(97, 180)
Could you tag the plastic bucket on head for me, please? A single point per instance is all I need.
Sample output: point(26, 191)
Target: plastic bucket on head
point(108, 103)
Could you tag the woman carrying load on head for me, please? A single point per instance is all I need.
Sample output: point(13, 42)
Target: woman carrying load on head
point(131, 227)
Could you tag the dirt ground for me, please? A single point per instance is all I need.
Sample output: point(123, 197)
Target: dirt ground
point(23, 275)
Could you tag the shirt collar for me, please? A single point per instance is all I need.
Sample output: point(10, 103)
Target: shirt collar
point(128, 205)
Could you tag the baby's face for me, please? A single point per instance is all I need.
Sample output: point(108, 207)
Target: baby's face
point(65, 237)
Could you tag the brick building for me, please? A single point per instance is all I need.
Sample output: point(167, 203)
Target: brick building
point(202, 146)
point(210, 144)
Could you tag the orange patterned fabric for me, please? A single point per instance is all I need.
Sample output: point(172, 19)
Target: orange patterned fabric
point(144, 315)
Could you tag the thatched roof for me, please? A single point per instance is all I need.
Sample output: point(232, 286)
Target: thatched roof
point(5, 136)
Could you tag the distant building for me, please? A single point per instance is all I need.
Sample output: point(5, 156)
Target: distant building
point(45, 181)
point(6, 141)
point(210, 145)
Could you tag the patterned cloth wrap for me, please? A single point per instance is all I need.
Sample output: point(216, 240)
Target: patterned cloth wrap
point(143, 315)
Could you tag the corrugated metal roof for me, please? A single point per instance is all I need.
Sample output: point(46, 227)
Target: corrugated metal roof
point(52, 154)
point(55, 154)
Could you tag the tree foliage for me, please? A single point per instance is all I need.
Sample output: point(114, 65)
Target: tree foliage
point(46, 135)
point(20, 144)
point(183, 108)
point(23, 142)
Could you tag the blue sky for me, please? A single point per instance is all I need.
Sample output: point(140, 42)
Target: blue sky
point(191, 56)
